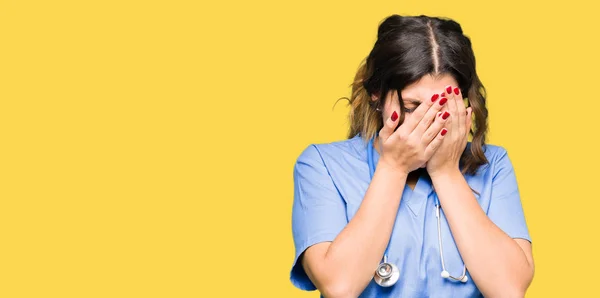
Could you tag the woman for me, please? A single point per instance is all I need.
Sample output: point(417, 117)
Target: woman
point(365, 215)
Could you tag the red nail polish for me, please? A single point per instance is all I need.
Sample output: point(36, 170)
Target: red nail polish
point(449, 89)
point(434, 97)
point(446, 115)
point(444, 131)
point(442, 94)
point(443, 101)
point(456, 91)
point(394, 116)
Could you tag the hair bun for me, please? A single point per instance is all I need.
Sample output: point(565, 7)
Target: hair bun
point(390, 24)
point(451, 25)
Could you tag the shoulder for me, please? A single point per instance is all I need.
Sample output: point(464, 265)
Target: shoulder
point(499, 163)
point(494, 153)
point(494, 174)
point(332, 151)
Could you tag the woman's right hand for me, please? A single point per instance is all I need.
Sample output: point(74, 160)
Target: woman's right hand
point(416, 139)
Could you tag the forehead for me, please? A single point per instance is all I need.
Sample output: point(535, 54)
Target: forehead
point(427, 86)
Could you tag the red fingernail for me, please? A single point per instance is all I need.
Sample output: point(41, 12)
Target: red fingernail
point(446, 115)
point(444, 131)
point(456, 91)
point(442, 94)
point(434, 97)
point(449, 89)
point(443, 101)
point(439, 114)
point(394, 116)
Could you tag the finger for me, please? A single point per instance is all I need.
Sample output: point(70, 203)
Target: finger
point(389, 126)
point(429, 117)
point(409, 125)
point(461, 109)
point(435, 128)
point(435, 144)
point(452, 107)
point(392, 121)
point(469, 120)
point(445, 106)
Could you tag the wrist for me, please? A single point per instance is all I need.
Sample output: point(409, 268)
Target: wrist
point(447, 171)
point(397, 172)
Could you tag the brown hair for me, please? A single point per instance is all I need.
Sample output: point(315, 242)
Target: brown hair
point(407, 48)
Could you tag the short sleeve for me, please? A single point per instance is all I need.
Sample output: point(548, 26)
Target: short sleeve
point(505, 208)
point(318, 212)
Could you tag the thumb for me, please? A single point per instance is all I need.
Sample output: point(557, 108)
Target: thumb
point(389, 126)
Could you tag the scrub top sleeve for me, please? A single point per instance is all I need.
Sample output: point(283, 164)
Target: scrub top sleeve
point(505, 208)
point(318, 212)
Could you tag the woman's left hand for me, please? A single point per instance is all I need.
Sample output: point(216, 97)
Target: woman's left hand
point(447, 157)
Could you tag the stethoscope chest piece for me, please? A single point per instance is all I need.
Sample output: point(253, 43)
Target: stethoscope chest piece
point(387, 274)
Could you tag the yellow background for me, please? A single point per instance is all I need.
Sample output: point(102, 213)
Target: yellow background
point(147, 146)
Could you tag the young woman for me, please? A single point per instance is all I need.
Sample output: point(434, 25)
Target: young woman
point(407, 206)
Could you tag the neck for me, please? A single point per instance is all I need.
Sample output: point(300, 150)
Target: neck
point(376, 145)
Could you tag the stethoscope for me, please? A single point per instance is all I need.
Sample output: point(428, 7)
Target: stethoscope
point(387, 274)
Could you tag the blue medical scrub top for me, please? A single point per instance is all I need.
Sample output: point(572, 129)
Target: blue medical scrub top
point(330, 181)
